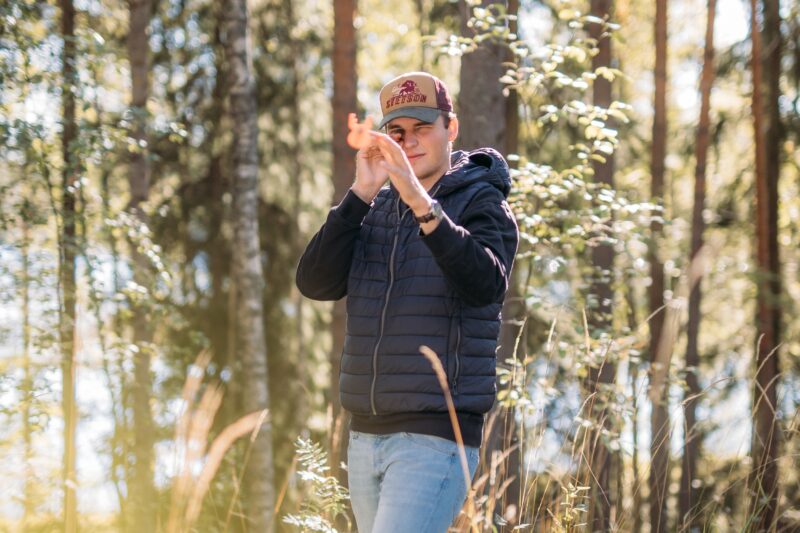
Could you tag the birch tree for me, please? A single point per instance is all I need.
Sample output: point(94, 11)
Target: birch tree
point(251, 349)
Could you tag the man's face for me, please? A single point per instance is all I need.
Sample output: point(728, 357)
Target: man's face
point(427, 145)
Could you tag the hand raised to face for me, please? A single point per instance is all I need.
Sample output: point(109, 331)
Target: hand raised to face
point(401, 173)
point(358, 137)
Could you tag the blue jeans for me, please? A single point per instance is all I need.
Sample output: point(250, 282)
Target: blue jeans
point(406, 482)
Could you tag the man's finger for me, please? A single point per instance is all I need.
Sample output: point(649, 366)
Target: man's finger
point(393, 170)
point(390, 149)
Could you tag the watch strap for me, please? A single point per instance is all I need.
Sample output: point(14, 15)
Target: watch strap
point(435, 213)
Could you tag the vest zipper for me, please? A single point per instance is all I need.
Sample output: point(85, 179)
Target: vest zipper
point(385, 307)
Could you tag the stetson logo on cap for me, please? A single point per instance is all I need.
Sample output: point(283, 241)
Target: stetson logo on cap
point(408, 91)
point(415, 94)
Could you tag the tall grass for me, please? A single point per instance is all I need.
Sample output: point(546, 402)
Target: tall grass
point(534, 472)
point(197, 463)
point(535, 475)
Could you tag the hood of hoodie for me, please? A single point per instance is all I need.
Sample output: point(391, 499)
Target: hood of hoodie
point(483, 164)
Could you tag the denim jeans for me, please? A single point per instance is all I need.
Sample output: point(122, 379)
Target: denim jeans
point(406, 482)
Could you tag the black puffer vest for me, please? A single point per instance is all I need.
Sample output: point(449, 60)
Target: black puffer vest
point(398, 299)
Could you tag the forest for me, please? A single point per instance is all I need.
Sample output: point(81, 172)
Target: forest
point(164, 163)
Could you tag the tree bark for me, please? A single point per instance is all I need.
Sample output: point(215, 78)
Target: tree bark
point(659, 361)
point(247, 267)
point(142, 491)
point(67, 258)
point(482, 122)
point(514, 311)
point(692, 438)
point(119, 437)
point(763, 478)
point(601, 296)
point(28, 506)
point(511, 130)
point(345, 79)
point(220, 314)
point(633, 370)
point(298, 243)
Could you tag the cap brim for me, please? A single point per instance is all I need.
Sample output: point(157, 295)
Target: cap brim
point(425, 114)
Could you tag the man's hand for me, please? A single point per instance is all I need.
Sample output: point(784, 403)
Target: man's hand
point(380, 157)
point(370, 177)
point(358, 137)
point(395, 162)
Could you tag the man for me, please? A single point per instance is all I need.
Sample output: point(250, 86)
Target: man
point(424, 261)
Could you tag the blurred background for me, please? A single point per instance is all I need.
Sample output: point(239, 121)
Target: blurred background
point(164, 163)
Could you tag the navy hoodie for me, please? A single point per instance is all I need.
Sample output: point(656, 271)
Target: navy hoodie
point(405, 289)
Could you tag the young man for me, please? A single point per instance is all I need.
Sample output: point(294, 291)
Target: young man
point(424, 261)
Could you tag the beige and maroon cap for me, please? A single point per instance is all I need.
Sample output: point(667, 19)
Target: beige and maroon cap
point(415, 94)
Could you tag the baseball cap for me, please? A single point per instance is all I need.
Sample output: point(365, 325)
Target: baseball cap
point(415, 94)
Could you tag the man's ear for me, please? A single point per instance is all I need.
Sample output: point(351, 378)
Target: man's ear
point(452, 129)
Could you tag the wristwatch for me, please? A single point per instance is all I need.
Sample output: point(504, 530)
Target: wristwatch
point(436, 212)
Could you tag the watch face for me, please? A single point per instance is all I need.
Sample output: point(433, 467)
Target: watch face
point(436, 210)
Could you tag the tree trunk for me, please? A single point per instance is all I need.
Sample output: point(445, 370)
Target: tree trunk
point(220, 315)
point(691, 436)
point(345, 80)
point(511, 131)
point(659, 361)
point(28, 506)
point(601, 297)
point(481, 99)
point(635, 484)
point(485, 124)
point(67, 280)
point(118, 439)
point(513, 312)
point(763, 478)
point(301, 407)
point(247, 268)
point(142, 491)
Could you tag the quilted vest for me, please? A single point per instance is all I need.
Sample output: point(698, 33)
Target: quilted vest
point(398, 299)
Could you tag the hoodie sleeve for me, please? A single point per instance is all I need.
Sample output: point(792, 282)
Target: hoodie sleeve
point(476, 256)
point(325, 265)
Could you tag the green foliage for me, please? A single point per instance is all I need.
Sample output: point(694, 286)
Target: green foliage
point(325, 500)
point(562, 212)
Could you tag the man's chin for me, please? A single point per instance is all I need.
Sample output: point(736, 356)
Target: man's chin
point(417, 167)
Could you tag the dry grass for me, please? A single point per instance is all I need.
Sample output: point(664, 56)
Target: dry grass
point(198, 463)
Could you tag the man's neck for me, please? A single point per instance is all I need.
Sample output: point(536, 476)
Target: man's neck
point(428, 183)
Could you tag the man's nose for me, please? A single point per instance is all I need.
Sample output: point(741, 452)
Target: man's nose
point(410, 139)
